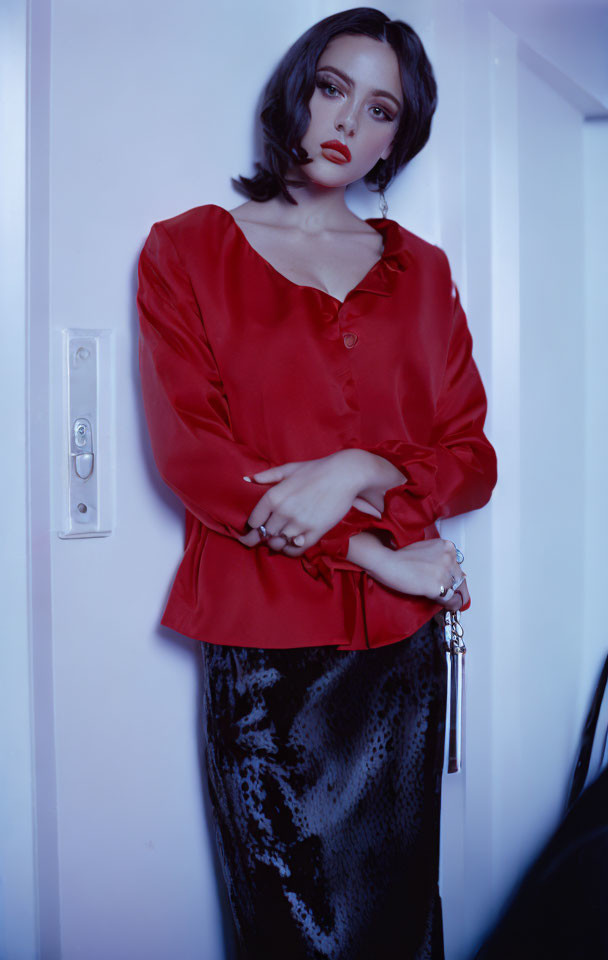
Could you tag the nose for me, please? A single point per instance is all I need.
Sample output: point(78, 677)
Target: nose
point(345, 120)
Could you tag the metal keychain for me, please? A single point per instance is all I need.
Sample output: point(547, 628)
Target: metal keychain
point(455, 650)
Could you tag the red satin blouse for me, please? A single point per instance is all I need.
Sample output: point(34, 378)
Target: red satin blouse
point(242, 369)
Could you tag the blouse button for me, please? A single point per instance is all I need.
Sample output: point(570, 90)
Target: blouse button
point(350, 340)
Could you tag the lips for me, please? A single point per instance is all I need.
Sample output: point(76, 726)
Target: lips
point(337, 147)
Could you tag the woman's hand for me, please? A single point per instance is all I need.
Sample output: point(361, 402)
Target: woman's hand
point(307, 499)
point(421, 569)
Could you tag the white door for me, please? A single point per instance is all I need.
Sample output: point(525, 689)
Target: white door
point(126, 106)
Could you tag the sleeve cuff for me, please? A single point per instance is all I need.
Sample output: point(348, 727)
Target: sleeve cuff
point(407, 512)
point(409, 506)
point(329, 553)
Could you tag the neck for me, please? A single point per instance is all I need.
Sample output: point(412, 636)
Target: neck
point(318, 208)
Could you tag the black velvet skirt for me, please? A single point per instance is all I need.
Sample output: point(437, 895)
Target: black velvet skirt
point(324, 770)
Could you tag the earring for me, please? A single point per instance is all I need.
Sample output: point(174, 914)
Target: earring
point(383, 205)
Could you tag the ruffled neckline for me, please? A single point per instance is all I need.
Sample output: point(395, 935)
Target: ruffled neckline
point(394, 259)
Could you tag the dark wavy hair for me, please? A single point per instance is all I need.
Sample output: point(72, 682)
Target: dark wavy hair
point(285, 115)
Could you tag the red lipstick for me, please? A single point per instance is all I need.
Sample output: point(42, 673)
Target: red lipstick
point(337, 147)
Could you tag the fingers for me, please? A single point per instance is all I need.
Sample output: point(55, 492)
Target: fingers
point(465, 595)
point(280, 543)
point(458, 599)
point(277, 540)
point(274, 474)
point(250, 539)
point(453, 605)
point(291, 551)
point(366, 507)
point(270, 502)
point(452, 590)
point(281, 535)
point(445, 594)
point(262, 510)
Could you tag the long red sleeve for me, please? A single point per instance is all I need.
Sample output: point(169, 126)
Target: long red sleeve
point(462, 466)
point(186, 410)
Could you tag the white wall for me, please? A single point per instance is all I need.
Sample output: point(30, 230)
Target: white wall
point(595, 155)
point(17, 836)
point(571, 34)
point(105, 836)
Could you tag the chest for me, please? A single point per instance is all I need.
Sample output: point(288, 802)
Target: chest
point(295, 366)
point(334, 264)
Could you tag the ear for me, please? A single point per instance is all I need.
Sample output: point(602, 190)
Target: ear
point(386, 152)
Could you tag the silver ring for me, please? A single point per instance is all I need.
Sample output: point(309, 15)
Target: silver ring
point(459, 553)
point(262, 530)
point(442, 591)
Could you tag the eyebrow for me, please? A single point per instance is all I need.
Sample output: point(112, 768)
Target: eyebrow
point(349, 80)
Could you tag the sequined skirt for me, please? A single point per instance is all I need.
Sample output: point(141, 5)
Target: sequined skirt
point(324, 770)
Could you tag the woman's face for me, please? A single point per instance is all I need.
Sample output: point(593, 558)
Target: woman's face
point(358, 102)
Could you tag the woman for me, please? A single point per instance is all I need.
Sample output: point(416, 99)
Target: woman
point(312, 399)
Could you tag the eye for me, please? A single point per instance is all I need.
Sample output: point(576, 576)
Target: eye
point(383, 115)
point(332, 91)
point(327, 86)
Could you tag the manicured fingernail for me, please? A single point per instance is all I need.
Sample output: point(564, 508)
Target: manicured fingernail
point(248, 479)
